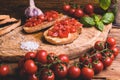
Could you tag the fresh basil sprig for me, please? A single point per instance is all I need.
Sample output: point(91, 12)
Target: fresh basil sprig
point(104, 4)
point(98, 21)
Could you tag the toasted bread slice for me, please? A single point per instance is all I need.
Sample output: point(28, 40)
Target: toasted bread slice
point(43, 25)
point(8, 20)
point(6, 29)
point(58, 41)
point(2, 17)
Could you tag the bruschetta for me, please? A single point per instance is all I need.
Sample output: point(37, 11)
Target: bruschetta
point(38, 23)
point(63, 32)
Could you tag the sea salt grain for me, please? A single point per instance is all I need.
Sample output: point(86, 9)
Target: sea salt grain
point(29, 45)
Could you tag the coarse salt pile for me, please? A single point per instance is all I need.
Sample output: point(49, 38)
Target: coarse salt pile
point(29, 45)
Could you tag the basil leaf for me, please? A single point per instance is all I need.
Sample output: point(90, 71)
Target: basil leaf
point(87, 21)
point(108, 18)
point(96, 18)
point(100, 25)
point(104, 4)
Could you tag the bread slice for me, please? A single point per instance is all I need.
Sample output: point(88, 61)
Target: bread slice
point(58, 41)
point(43, 25)
point(8, 20)
point(2, 17)
point(8, 28)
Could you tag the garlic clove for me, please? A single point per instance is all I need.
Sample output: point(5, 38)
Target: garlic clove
point(32, 10)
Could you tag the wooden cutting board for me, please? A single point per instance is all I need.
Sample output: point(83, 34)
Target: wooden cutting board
point(10, 43)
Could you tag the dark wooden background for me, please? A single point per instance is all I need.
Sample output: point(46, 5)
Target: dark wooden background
point(17, 7)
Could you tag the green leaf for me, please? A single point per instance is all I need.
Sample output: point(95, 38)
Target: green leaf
point(87, 21)
point(105, 4)
point(96, 18)
point(100, 25)
point(108, 18)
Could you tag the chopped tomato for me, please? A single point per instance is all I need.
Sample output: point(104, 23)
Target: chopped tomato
point(48, 16)
point(64, 27)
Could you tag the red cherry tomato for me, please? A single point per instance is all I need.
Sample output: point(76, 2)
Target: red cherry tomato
point(42, 56)
point(4, 70)
point(115, 51)
point(111, 42)
point(87, 73)
point(97, 66)
point(99, 45)
point(30, 67)
point(85, 60)
point(79, 13)
point(74, 72)
point(107, 62)
point(66, 7)
point(47, 75)
point(50, 58)
point(89, 8)
point(30, 55)
point(109, 54)
point(60, 70)
point(64, 58)
point(97, 56)
point(72, 11)
point(32, 77)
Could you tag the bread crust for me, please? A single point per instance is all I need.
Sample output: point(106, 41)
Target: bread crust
point(7, 20)
point(43, 25)
point(59, 41)
point(8, 28)
point(2, 17)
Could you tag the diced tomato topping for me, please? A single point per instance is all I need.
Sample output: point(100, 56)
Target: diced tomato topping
point(48, 16)
point(64, 27)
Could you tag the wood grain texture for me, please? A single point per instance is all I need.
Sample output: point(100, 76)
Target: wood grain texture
point(11, 42)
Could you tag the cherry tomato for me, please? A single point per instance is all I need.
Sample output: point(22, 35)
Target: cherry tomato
point(30, 55)
point(50, 58)
point(97, 56)
point(89, 8)
point(87, 73)
point(107, 62)
point(85, 60)
point(42, 56)
point(115, 51)
point(97, 66)
point(32, 77)
point(30, 67)
point(47, 75)
point(64, 58)
point(60, 70)
point(4, 70)
point(74, 72)
point(99, 45)
point(112, 56)
point(72, 11)
point(66, 7)
point(109, 54)
point(79, 13)
point(111, 42)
